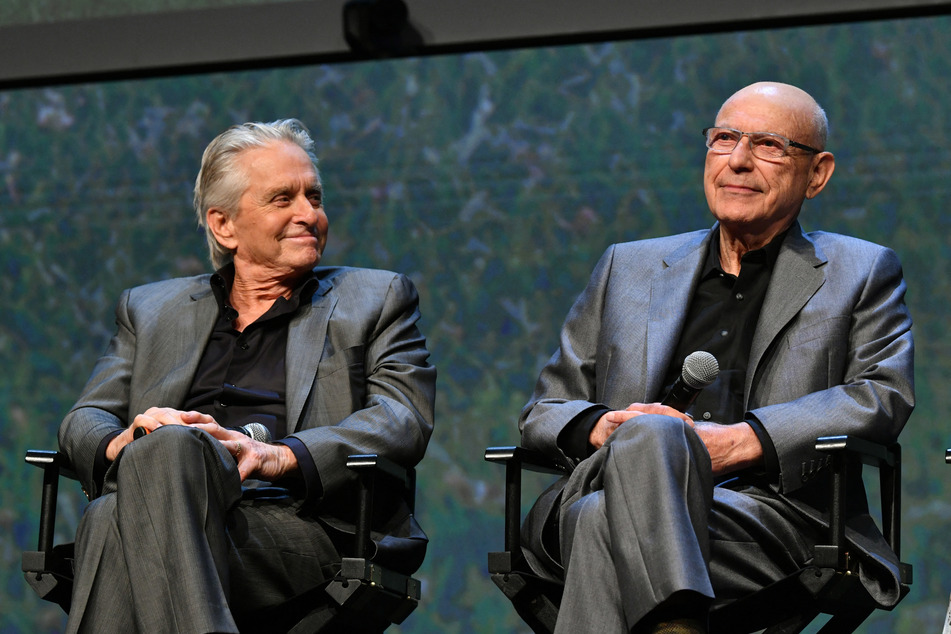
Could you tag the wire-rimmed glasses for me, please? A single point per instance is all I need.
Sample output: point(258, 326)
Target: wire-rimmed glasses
point(765, 145)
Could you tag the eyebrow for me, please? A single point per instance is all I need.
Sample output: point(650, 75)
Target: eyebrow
point(281, 190)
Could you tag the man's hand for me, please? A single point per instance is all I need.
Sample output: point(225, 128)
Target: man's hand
point(731, 447)
point(255, 459)
point(152, 419)
point(259, 460)
point(614, 419)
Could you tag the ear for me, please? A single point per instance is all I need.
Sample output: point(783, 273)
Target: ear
point(823, 164)
point(222, 227)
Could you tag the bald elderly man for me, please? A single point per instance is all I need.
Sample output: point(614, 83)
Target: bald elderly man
point(666, 514)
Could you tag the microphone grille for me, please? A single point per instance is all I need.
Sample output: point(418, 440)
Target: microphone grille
point(700, 369)
point(258, 432)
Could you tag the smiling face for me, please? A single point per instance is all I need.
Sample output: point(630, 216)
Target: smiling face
point(753, 196)
point(279, 229)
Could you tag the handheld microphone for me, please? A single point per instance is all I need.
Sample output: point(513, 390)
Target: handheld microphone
point(700, 369)
point(254, 431)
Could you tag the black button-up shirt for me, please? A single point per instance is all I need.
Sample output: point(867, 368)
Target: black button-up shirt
point(721, 320)
point(241, 377)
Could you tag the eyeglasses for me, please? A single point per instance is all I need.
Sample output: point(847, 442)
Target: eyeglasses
point(764, 145)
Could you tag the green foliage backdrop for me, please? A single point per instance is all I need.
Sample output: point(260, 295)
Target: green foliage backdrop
point(495, 181)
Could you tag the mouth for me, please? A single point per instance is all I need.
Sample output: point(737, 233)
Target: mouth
point(305, 237)
point(739, 189)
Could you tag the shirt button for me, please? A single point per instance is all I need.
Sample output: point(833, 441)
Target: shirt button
point(739, 297)
point(724, 333)
point(707, 416)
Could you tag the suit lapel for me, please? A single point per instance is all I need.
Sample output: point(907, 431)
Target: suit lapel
point(796, 278)
point(305, 345)
point(196, 325)
point(174, 361)
point(671, 291)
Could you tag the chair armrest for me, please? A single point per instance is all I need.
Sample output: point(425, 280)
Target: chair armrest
point(872, 453)
point(515, 459)
point(369, 467)
point(845, 450)
point(528, 459)
point(53, 464)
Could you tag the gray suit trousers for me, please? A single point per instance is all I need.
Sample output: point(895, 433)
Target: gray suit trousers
point(174, 543)
point(641, 520)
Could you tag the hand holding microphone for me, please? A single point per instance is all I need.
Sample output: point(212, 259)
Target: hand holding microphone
point(254, 431)
point(700, 369)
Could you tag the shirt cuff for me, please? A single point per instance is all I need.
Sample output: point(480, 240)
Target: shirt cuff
point(770, 458)
point(101, 464)
point(573, 438)
point(308, 469)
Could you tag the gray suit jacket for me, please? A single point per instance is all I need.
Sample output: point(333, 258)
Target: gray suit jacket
point(832, 353)
point(358, 380)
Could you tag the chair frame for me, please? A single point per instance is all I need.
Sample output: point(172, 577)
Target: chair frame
point(828, 585)
point(359, 587)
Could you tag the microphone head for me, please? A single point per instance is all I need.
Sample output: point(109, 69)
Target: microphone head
point(257, 431)
point(700, 369)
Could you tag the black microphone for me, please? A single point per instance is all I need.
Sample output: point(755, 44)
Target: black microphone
point(254, 431)
point(700, 370)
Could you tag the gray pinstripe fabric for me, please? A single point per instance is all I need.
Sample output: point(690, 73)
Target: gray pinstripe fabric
point(832, 354)
point(156, 555)
point(648, 501)
point(170, 540)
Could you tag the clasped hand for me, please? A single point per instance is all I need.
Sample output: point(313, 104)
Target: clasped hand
point(731, 447)
point(256, 459)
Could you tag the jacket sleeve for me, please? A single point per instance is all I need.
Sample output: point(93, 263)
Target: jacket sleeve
point(567, 385)
point(375, 390)
point(102, 409)
point(842, 370)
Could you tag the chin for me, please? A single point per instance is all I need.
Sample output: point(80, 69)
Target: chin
point(740, 217)
point(307, 265)
point(305, 257)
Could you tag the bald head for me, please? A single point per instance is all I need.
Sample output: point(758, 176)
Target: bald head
point(807, 120)
point(755, 197)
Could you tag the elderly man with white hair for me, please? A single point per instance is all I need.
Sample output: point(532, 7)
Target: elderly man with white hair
point(193, 524)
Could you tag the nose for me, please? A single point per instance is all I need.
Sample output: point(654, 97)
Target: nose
point(742, 154)
point(305, 211)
